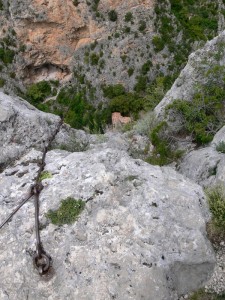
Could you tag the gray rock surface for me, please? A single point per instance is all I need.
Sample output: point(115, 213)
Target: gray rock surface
point(141, 235)
point(22, 127)
point(217, 281)
point(206, 166)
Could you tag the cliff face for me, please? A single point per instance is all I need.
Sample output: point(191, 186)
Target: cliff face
point(95, 43)
point(53, 30)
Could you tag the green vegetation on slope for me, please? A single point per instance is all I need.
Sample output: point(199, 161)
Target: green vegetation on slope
point(202, 295)
point(193, 21)
point(1, 5)
point(199, 118)
point(216, 199)
point(6, 55)
point(205, 114)
point(70, 104)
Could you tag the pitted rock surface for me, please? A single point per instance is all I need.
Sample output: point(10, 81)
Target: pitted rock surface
point(141, 235)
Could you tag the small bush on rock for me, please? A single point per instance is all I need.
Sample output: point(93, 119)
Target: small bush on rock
point(145, 124)
point(204, 115)
point(216, 199)
point(128, 16)
point(158, 43)
point(2, 82)
point(163, 152)
point(37, 92)
point(67, 213)
point(142, 26)
point(94, 59)
point(112, 15)
point(221, 147)
point(7, 55)
point(45, 175)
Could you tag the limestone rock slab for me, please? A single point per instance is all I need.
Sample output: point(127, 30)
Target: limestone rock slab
point(141, 235)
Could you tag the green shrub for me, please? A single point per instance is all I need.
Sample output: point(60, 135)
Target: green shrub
point(112, 91)
point(37, 92)
point(54, 82)
point(127, 104)
point(221, 147)
point(75, 2)
point(141, 84)
point(128, 17)
point(94, 59)
point(157, 90)
point(216, 199)
point(126, 29)
point(163, 153)
point(1, 5)
point(146, 67)
point(202, 295)
point(77, 112)
point(12, 75)
point(93, 45)
point(204, 115)
point(45, 175)
point(130, 72)
point(142, 25)
point(112, 15)
point(95, 5)
point(7, 55)
point(146, 124)
point(158, 43)
point(2, 82)
point(81, 114)
point(195, 20)
point(67, 213)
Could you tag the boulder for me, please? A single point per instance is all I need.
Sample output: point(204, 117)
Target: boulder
point(22, 127)
point(206, 166)
point(141, 235)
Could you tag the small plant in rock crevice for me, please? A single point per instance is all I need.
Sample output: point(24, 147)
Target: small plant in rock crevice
point(221, 147)
point(216, 199)
point(67, 213)
point(45, 175)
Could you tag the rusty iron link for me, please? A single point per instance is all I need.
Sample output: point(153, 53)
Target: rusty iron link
point(42, 261)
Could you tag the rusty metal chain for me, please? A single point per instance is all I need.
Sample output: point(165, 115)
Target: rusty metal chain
point(42, 261)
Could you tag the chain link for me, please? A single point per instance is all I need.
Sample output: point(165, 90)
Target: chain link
point(42, 261)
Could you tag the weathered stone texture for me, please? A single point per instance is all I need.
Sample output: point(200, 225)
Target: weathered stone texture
point(141, 235)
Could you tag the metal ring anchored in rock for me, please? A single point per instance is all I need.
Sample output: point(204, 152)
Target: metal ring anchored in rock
point(42, 263)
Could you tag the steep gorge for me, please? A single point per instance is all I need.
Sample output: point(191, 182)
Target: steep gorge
point(142, 234)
